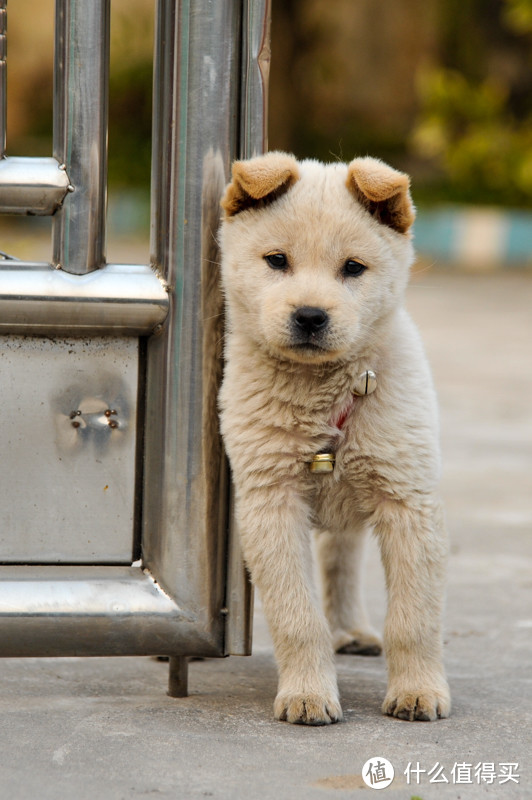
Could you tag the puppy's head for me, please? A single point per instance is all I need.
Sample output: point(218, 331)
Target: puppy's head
point(314, 256)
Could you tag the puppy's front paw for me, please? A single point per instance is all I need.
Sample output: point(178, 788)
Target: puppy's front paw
point(307, 708)
point(424, 704)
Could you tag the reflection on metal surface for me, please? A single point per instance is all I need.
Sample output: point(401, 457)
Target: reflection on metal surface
point(91, 611)
point(31, 185)
point(68, 493)
point(80, 131)
point(36, 299)
point(256, 56)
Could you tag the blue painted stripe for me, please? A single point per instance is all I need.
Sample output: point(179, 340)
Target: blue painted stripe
point(435, 233)
point(438, 233)
point(519, 237)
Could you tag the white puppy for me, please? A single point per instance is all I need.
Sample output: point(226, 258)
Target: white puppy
point(329, 419)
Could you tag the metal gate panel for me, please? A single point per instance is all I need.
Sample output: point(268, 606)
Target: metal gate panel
point(182, 589)
point(68, 431)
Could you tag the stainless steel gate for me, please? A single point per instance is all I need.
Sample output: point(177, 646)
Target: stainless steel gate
point(115, 534)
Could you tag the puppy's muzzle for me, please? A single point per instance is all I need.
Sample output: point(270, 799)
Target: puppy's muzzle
point(309, 324)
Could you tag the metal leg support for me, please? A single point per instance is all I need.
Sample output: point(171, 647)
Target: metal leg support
point(178, 677)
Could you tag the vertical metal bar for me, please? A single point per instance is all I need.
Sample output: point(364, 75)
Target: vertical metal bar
point(255, 77)
point(3, 76)
point(80, 131)
point(195, 138)
point(256, 25)
point(178, 676)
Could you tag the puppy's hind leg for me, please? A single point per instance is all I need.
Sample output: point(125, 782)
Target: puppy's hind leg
point(276, 542)
point(341, 560)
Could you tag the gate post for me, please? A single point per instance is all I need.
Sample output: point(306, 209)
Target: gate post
point(195, 137)
point(210, 96)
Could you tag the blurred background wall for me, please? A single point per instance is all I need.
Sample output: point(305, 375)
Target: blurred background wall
point(440, 88)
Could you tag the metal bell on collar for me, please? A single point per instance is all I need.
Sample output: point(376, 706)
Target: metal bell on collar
point(322, 462)
point(366, 383)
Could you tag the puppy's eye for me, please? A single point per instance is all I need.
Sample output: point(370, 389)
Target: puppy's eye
point(276, 260)
point(352, 268)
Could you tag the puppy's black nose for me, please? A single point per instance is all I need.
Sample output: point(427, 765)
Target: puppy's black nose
point(310, 319)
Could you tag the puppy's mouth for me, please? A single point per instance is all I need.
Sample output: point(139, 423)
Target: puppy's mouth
point(311, 347)
point(310, 351)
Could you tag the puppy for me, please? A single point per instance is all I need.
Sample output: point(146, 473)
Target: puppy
point(329, 419)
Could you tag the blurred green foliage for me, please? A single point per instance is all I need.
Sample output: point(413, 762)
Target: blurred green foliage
point(130, 94)
point(477, 129)
point(518, 14)
point(130, 91)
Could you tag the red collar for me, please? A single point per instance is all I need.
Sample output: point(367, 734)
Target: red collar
point(366, 383)
point(340, 420)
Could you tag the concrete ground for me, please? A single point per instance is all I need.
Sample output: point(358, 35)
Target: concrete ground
point(105, 729)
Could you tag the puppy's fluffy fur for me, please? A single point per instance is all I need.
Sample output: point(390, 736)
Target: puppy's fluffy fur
point(333, 239)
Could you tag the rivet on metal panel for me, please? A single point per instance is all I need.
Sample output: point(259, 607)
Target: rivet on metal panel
point(92, 419)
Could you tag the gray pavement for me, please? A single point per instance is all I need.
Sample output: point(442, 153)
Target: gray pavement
point(104, 728)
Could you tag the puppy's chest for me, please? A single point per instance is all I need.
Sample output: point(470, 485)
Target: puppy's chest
point(347, 493)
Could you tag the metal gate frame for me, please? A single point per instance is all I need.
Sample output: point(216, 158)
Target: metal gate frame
point(188, 593)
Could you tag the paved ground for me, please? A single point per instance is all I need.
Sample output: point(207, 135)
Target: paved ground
point(105, 729)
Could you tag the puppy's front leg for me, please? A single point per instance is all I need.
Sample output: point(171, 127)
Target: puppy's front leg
point(414, 549)
point(275, 535)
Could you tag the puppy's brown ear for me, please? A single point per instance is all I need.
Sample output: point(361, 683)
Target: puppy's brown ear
point(259, 180)
point(383, 191)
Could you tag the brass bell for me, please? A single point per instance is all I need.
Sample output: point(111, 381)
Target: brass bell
point(366, 383)
point(322, 462)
